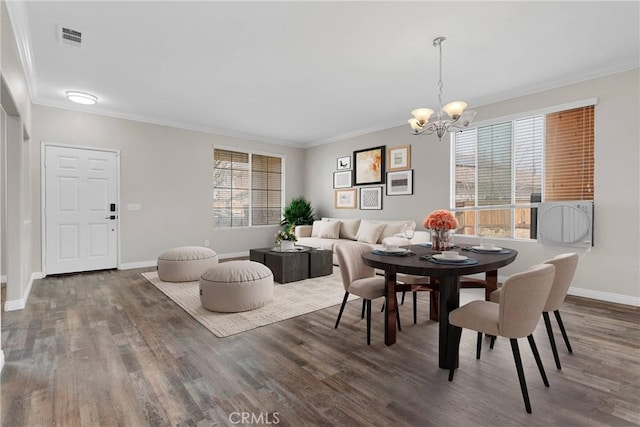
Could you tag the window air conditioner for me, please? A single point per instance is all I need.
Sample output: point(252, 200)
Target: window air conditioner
point(566, 223)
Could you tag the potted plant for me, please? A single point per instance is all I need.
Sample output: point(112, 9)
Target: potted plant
point(298, 212)
point(286, 238)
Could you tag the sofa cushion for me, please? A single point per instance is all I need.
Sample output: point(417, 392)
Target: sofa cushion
point(369, 231)
point(348, 227)
point(395, 227)
point(329, 230)
point(317, 225)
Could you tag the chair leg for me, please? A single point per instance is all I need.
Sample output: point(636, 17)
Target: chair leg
point(368, 321)
point(456, 333)
point(398, 316)
point(364, 303)
point(402, 300)
point(554, 349)
point(493, 341)
point(479, 345)
point(344, 301)
point(523, 383)
point(564, 333)
point(415, 307)
point(536, 355)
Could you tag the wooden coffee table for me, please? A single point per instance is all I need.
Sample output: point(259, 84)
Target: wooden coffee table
point(291, 266)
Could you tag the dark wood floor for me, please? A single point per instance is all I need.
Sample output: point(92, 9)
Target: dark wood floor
point(108, 348)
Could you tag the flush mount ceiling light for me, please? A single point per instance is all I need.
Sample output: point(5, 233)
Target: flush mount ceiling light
point(81, 98)
point(456, 118)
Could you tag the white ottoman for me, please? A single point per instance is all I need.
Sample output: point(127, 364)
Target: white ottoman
point(236, 286)
point(185, 264)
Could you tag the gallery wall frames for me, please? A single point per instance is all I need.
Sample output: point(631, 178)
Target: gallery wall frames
point(399, 158)
point(400, 183)
point(344, 163)
point(369, 165)
point(343, 179)
point(345, 199)
point(371, 198)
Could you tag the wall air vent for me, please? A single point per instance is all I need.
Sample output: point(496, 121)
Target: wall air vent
point(70, 37)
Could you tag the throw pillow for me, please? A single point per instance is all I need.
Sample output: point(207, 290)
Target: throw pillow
point(369, 232)
point(329, 230)
point(317, 225)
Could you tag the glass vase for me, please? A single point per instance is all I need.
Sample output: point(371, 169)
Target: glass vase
point(440, 240)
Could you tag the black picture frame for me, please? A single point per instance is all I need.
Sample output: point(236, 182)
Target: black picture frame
point(369, 165)
point(400, 183)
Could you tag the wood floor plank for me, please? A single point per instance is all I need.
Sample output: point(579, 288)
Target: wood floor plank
point(107, 348)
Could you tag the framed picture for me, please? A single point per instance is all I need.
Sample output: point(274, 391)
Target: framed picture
point(342, 179)
point(371, 198)
point(345, 199)
point(369, 166)
point(400, 183)
point(344, 163)
point(399, 158)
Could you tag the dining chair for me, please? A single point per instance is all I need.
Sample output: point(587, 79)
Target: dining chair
point(522, 300)
point(359, 279)
point(566, 265)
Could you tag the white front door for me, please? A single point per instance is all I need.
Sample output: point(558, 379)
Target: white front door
point(80, 210)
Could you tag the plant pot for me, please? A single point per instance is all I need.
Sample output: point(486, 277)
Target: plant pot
point(287, 245)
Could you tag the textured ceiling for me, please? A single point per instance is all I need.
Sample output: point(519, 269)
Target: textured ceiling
point(304, 73)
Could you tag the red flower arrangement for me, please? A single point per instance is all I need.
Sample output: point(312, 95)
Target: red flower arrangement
point(441, 220)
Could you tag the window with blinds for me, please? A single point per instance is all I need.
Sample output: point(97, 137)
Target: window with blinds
point(500, 169)
point(247, 189)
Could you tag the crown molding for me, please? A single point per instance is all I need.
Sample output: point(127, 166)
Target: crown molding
point(20, 27)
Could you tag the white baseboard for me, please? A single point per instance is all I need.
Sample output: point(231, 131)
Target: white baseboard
point(140, 264)
point(1, 360)
point(605, 296)
point(234, 255)
point(154, 263)
point(21, 303)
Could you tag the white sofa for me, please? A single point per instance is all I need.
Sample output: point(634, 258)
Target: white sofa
point(327, 232)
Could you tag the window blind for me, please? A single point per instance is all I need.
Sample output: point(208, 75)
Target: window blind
point(494, 164)
point(569, 159)
point(247, 189)
point(528, 147)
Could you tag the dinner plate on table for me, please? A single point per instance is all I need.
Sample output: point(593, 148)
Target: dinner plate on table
point(481, 249)
point(394, 251)
point(458, 258)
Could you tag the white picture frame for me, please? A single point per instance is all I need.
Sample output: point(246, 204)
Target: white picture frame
point(371, 198)
point(400, 183)
point(343, 179)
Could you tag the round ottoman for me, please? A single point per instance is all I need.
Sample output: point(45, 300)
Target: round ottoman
point(185, 264)
point(235, 286)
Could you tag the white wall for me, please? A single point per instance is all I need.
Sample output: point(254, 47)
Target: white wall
point(608, 271)
point(169, 172)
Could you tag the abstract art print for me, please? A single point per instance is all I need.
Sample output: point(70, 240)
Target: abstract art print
point(399, 158)
point(400, 183)
point(371, 198)
point(369, 165)
point(345, 199)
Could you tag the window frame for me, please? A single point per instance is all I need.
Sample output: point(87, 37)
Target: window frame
point(251, 153)
point(513, 205)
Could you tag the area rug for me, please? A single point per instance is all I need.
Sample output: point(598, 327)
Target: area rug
point(289, 300)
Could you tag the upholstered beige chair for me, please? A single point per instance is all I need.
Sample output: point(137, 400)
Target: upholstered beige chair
point(358, 278)
point(516, 315)
point(565, 269)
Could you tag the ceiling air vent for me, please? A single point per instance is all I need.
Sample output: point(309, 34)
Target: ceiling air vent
point(70, 37)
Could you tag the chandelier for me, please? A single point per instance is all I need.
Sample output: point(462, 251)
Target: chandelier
point(454, 120)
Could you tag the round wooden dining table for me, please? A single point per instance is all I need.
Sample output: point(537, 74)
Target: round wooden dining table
point(448, 276)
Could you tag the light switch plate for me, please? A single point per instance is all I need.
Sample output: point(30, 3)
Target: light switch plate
point(134, 207)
